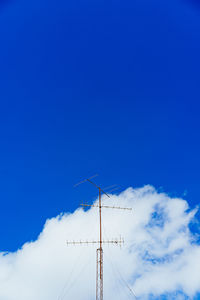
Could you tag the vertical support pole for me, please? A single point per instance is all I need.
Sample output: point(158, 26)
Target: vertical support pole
point(99, 274)
point(100, 231)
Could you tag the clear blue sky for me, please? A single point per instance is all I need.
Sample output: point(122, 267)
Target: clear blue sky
point(107, 87)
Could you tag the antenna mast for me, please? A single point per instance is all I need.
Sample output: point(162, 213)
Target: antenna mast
point(99, 275)
point(99, 251)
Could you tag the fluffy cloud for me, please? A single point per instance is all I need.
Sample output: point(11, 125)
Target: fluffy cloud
point(160, 255)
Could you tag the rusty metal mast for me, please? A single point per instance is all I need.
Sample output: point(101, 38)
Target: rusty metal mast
point(99, 251)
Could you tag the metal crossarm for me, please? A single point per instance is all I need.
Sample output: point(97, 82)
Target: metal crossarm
point(87, 179)
point(115, 241)
point(105, 206)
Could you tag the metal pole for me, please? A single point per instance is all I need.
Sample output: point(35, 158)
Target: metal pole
point(99, 279)
point(100, 217)
point(101, 250)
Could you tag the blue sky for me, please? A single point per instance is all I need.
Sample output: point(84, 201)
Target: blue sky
point(107, 87)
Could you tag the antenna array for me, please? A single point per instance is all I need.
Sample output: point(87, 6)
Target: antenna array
point(100, 241)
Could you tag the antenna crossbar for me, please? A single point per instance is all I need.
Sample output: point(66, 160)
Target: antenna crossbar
point(84, 180)
point(90, 181)
point(110, 187)
point(115, 242)
point(115, 189)
point(105, 206)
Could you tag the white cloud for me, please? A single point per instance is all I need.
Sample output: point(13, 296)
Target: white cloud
point(160, 255)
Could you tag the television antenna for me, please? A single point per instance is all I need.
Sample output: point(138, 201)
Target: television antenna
point(100, 241)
